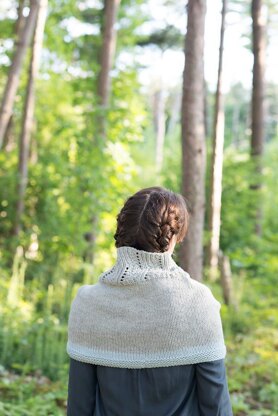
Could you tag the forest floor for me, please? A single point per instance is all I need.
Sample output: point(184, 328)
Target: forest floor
point(31, 395)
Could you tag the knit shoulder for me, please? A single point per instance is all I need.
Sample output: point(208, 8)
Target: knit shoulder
point(85, 292)
point(204, 292)
point(81, 294)
point(82, 290)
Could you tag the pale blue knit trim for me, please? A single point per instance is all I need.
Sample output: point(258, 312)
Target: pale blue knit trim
point(125, 360)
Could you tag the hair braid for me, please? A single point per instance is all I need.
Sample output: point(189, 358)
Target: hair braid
point(150, 218)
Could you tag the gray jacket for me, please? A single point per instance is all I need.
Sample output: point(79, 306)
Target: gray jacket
point(182, 390)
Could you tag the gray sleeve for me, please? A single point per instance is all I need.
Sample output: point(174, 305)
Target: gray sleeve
point(82, 385)
point(212, 389)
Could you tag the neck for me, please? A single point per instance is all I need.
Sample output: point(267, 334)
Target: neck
point(143, 259)
point(135, 265)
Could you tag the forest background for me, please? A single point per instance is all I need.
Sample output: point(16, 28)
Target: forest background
point(97, 101)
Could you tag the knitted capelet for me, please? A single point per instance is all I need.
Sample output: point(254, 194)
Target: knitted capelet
point(145, 311)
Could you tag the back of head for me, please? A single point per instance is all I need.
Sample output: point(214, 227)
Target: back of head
point(150, 218)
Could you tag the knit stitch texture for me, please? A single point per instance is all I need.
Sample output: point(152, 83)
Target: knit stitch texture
point(145, 311)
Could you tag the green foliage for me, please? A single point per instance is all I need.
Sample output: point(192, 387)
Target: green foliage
point(164, 38)
point(31, 394)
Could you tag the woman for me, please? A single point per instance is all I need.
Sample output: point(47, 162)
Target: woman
point(147, 339)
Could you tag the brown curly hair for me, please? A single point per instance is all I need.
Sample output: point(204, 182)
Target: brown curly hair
point(150, 218)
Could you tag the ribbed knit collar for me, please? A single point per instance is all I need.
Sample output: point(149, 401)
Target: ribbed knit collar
point(142, 259)
point(133, 265)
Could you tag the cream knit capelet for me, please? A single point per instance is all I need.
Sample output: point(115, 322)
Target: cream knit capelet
point(145, 311)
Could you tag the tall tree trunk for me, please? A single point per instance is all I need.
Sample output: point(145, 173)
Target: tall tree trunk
point(174, 112)
point(217, 158)
point(106, 60)
point(28, 116)
point(206, 116)
point(236, 137)
point(15, 69)
point(226, 278)
point(7, 141)
point(20, 21)
point(258, 116)
point(107, 54)
point(193, 139)
point(19, 25)
point(159, 126)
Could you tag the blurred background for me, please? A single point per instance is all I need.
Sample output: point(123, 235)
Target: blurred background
point(100, 99)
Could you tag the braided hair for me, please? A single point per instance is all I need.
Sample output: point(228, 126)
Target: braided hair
point(149, 219)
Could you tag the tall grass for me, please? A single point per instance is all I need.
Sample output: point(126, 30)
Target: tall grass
point(33, 319)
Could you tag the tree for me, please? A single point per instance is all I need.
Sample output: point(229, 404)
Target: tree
point(107, 53)
point(159, 126)
point(257, 110)
point(193, 139)
point(18, 27)
point(217, 157)
point(106, 57)
point(20, 21)
point(15, 69)
point(28, 116)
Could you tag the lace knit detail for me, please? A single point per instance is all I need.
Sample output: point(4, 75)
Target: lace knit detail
point(145, 311)
point(134, 266)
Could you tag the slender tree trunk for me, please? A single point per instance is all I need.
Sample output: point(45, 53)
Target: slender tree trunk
point(175, 113)
point(258, 92)
point(225, 278)
point(28, 116)
point(107, 53)
point(7, 141)
point(159, 126)
point(33, 157)
point(193, 139)
point(20, 21)
point(15, 69)
point(235, 126)
point(217, 159)
point(19, 25)
point(206, 116)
